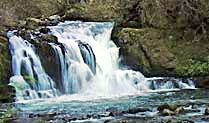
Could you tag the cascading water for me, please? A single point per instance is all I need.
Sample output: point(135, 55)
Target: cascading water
point(26, 62)
point(89, 63)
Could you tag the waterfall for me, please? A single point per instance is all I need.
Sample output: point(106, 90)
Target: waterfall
point(26, 66)
point(89, 64)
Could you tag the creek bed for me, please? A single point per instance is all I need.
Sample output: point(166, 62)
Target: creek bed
point(117, 109)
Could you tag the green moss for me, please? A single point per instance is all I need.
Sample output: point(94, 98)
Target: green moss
point(30, 80)
point(193, 68)
point(5, 61)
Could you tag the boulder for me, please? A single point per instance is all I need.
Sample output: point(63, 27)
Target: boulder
point(167, 106)
point(168, 110)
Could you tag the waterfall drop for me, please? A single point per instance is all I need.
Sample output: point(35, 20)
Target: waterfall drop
point(89, 64)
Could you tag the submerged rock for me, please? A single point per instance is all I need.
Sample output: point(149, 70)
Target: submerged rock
point(137, 110)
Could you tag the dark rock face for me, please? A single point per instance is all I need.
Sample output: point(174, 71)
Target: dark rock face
point(202, 82)
point(5, 61)
point(146, 50)
point(7, 94)
point(50, 62)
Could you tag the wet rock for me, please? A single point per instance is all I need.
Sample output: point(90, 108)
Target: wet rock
point(179, 110)
point(49, 38)
point(115, 113)
point(167, 109)
point(167, 106)
point(7, 94)
point(48, 115)
point(32, 23)
point(137, 110)
point(5, 61)
point(44, 30)
point(43, 39)
point(25, 34)
point(202, 82)
point(167, 112)
point(54, 17)
point(207, 111)
point(50, 62)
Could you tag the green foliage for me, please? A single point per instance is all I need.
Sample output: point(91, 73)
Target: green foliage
point(30, 80)
point(6, 117)
point(193, 68)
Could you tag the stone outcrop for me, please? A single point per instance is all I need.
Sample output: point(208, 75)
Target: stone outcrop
point(158, 52)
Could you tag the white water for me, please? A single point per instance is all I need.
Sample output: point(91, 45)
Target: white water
point(89, 63)
point(108, 79)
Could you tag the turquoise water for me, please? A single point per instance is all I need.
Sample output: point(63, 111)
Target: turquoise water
point(192, 100)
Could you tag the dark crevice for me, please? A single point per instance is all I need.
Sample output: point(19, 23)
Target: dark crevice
point(146, 55)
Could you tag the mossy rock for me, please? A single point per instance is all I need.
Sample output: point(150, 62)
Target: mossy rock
point(146, 49)
point(167, 106)
point(50, 62)
point(30, 80)
point(5, 61)
point(164, 52)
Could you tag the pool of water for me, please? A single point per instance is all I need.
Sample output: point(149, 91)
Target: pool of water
point(81, 108)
